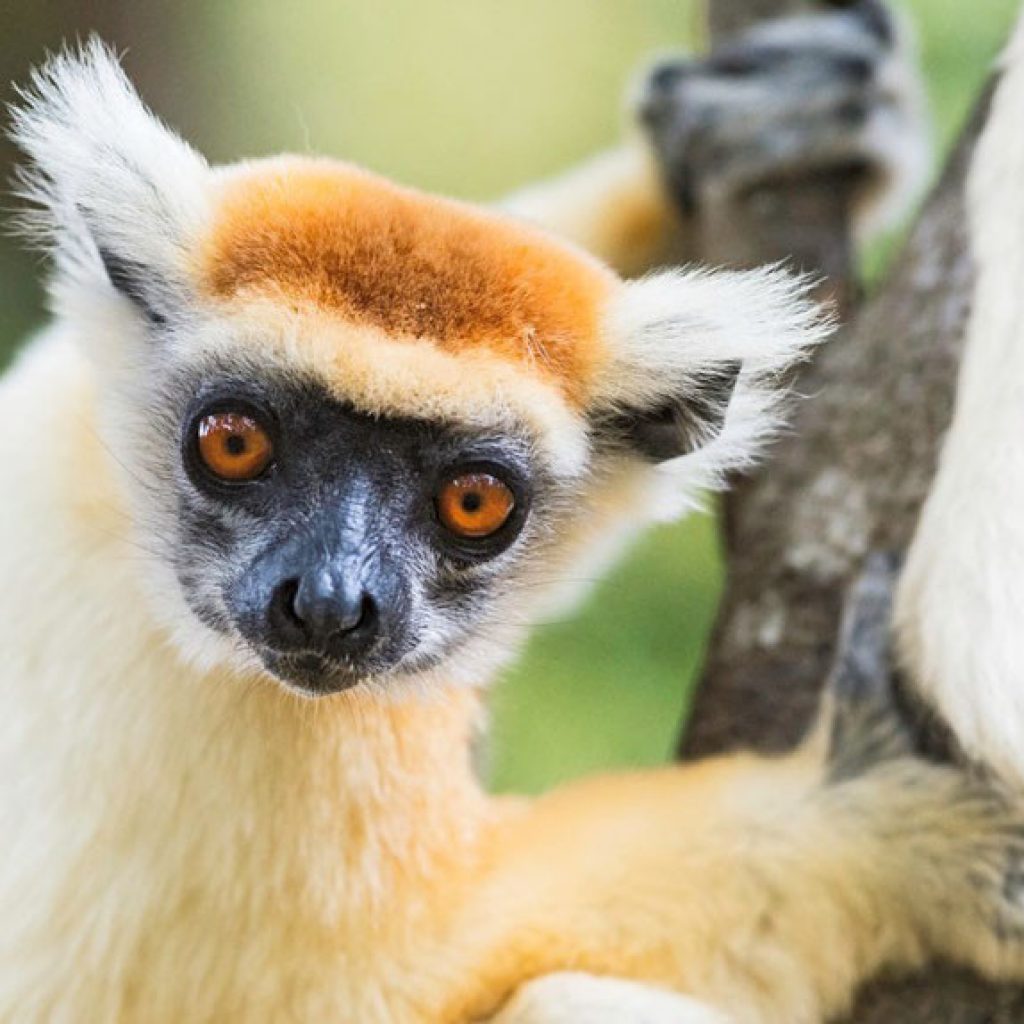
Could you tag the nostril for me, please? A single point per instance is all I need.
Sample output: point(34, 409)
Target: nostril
point(284, 606)
point(357, 619)
point(367, 621)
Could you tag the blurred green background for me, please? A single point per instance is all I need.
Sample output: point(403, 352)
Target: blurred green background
point(469, 97)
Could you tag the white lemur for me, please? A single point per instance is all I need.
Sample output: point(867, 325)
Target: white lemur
point(961, 615)
point(300, 433)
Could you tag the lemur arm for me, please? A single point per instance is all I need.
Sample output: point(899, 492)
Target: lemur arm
point(771, 889)
point(613, 205)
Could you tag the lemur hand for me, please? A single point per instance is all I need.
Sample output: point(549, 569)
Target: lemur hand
point(828, 91)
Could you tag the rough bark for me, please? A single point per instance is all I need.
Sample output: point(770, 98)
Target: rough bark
point(850, 478)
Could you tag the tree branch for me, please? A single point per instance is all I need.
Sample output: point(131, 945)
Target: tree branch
point(851, 477)
point(805, 220)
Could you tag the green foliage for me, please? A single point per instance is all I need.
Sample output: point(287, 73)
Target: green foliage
point(608, 687)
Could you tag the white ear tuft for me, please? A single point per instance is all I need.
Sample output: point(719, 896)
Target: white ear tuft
point(116, 195)
point(704, 354)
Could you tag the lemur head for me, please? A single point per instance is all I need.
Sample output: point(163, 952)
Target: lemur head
point(363, 429)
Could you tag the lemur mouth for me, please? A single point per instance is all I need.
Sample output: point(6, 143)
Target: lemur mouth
point(312, 675)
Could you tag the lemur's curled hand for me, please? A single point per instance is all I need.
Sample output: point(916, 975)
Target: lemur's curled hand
point(828, 91)
point(832, 91)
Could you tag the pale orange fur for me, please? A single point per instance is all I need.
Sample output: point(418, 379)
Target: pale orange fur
point(337, 238)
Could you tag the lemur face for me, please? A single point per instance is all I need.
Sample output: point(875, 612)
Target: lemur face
point(339, 546)
point(377, 397)
point(364, 429)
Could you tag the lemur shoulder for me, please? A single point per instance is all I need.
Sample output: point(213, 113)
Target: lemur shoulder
point(287, 476)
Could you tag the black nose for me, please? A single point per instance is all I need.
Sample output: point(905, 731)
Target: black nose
point(326, 610)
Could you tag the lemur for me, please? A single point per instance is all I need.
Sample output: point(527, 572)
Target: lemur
point(287, 479)
point(959, 616)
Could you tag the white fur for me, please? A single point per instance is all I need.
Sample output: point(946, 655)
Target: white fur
point(105, 170)
point(574, 998)
point(669, 328)
point(961, 602)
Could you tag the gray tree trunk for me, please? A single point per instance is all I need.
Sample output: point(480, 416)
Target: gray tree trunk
point(804, 220)
point(850, 478)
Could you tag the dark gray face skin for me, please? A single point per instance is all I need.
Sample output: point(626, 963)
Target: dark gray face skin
point(332, 565)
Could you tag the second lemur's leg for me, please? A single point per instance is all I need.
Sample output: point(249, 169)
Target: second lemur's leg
point(796, 97)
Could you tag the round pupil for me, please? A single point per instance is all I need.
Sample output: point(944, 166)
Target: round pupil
point(235, 444)
point(472, 501)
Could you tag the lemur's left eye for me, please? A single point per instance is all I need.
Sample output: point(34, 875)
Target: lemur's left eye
point(234, 446)
point(474, 505)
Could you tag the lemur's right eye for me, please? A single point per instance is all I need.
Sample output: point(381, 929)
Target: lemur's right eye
point(233, 446)
point(474, 505)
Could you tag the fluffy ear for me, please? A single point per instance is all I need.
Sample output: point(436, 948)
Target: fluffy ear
point(115, 195)
point(698, 364)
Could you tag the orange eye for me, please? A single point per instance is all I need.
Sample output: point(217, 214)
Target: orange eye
point(474, 505)
point(233, 446)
